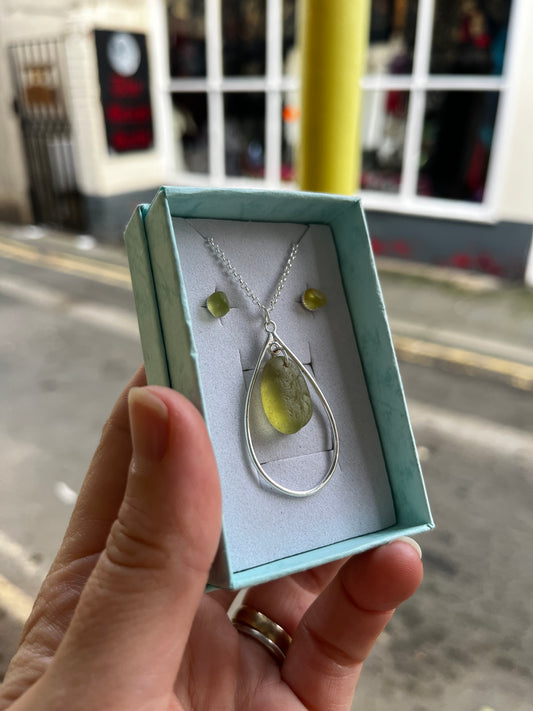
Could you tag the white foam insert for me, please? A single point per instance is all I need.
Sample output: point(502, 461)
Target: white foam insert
point(261, 524)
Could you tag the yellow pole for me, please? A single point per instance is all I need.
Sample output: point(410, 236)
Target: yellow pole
point(334, 38)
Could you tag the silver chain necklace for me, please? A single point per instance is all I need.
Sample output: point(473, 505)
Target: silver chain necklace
point(217, 251)
point(287, 375)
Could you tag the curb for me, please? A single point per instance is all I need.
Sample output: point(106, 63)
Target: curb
point(462, 279)
point(412, 350)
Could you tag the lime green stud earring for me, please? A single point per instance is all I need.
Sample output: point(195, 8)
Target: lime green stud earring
point(217, 304)
point(313, 299)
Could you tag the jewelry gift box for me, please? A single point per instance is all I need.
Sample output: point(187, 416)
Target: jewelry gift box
point(340, 474)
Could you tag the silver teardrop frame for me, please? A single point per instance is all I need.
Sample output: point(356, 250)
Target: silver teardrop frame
point(271, 338)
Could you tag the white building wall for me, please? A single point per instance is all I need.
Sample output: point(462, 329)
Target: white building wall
point(102, 174)
point(98, 172)
point(516, 178)
point(14, 200)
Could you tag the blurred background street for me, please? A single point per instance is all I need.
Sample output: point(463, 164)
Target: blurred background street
point(424, 108)
point(70, 343)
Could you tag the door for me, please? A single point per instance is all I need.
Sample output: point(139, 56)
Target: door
point(37, 68)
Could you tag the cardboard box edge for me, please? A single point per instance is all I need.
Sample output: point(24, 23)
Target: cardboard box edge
point(145, 298)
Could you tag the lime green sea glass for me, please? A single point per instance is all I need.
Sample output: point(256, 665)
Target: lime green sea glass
point(313, 299)
point(285, 395)
point(217, 304)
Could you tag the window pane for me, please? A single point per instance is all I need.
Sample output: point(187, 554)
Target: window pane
point(290, 9)
point(392, 36)
point(190, 132)
point(382, 136)
point(244, 126)
point(243, 37)
point(469, 36)
point(456, 144)
point(291, 99)
point(186, 41)
point(291, 130)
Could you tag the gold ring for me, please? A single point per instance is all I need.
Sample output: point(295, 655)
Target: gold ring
point(258, 626)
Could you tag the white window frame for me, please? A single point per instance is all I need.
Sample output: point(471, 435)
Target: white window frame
point(273, 85)
point(418, 84)
point(214, 85)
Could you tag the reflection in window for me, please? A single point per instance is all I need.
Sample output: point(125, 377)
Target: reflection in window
point(189, 115)
point(244, 37)
point(469, 36)
point(244, 124)
point(186, 38)
point(392, 36)
point(456, 144)
point(383, 135)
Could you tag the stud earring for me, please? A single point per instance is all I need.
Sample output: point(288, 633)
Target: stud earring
point(313, 299)
point(217, 304)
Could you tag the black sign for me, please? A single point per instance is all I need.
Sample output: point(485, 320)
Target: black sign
point(125, 90)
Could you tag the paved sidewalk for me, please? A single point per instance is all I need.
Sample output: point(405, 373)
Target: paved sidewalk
point(448, 319)
point(463, 321)
point(459, 320)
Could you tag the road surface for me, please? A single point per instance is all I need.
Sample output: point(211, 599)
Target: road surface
point(69, 344)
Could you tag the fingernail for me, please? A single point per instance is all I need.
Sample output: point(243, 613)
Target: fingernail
point(411, 542)
point(148, 424)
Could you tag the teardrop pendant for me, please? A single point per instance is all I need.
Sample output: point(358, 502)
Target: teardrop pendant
point(285, 395)
point(288, 415)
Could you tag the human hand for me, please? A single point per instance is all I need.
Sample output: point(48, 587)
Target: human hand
point(122, 622)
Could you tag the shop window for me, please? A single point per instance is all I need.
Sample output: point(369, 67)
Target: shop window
point(434, 82)
point(234, 90)
point(290, 109)
point(244, 133)
point(289, 33)
point(189, 119)
point(383, 139)
point(456, 143)
point(291, 123)
point(392, 37)
point(469, 36)
point(186, 38)
point(243, 37)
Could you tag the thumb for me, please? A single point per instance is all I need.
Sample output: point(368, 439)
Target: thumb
point(135, 613)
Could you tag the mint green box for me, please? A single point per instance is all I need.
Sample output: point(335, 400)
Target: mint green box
point(376, 496)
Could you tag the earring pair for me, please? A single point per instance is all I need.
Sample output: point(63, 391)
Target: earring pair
point(218, 304)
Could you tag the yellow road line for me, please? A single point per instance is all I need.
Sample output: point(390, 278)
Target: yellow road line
point(14, 601)
point(114, 274)
point(408, 349)
point(424, 352)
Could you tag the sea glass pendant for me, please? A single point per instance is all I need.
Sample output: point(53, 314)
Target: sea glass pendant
point(285, 395)
point(287, 404)
point(217, 304)
point(313, 299)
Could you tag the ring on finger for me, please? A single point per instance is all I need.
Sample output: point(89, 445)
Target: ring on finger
point(258, 626)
